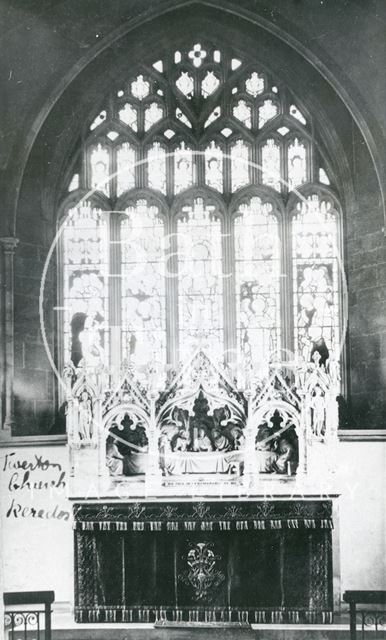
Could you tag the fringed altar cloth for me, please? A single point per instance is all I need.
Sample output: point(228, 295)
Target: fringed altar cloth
point(204, 562)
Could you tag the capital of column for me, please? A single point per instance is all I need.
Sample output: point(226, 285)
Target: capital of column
point(9, 244)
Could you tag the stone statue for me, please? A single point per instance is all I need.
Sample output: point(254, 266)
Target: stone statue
point(238, 438)
point(203, 442)
point(285, 451)
point(318, 406)
point(220, 442)
point(267, 456)
point(85, 416)
point(181, 441)
point(114, 459)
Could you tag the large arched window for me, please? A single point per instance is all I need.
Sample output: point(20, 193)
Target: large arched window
point(210, 220)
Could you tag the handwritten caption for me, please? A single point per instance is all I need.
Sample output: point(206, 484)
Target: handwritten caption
point(39, 477)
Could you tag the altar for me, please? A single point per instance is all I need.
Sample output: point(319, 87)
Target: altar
point(204, 562)
point(174, 519)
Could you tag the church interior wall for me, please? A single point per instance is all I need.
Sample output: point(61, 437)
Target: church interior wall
point(38, 551)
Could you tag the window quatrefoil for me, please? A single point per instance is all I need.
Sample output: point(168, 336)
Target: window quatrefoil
point(197, 55)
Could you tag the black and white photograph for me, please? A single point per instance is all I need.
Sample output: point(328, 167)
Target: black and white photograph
point(193, 319)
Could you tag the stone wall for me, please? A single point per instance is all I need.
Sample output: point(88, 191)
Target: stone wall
point(366, 275)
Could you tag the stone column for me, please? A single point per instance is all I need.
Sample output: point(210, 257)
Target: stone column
point(8, 249)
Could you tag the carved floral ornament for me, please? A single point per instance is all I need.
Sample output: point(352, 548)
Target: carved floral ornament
point(201, 422)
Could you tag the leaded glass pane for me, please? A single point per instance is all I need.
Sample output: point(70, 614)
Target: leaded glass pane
point(185, 84)
point(183, 168)
point(85, 285)
point(239, 165)
point(297, 164)
point(323, 177)
point(257, 268)
point(197, 55)
point(143, 285)
point(200, 281)
point(100, 169)
point(209, 84)
point(125, 168)
point(295, 113)
point(156, 167)
point(101, 117)
point(267, 111)
point(270, 160)
point(153, 114)
point(158, 66)
point(128, 115)
point(254, 85)
point(315, 277)
point(74, 184)
point(242, 111)
point(182, 117)
point(112, 135)
point(140, 88)
point(216, 113)
point(214, 167)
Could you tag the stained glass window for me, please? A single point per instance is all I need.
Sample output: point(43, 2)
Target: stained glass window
point(143, 284)
point(297, 164)
point(191, 120)
point(295, 113)
point(100, 169)
point(216, 113)
point(271, 165)
point(209, 84)
point(183, 168)
point(239, 165)
point(125, 168)
point(267, 111)
point(315, 277)
point(257, 269)
point(254, 85)
point(200, 280)
point(242, 111)
point(85, 285)
point(156, 167)
point(153, 114)
point(140, 88)
point(185, 84)
point(128, 115)
point(214, 166)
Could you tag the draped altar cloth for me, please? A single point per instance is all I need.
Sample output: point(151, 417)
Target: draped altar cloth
point(227, 561)
point(178, 463)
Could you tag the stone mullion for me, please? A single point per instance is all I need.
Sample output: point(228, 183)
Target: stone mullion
point(227, 171)
point(171, 290)
point(115, 290)
point(254, 170)
point(199, 162)
point(140, 170)
point(9, 246)
point(229, 310)
point(286, 294)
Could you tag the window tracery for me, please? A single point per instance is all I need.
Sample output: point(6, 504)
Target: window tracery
point(201, 121)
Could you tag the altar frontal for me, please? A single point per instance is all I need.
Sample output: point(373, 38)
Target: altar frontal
point(148, 562)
